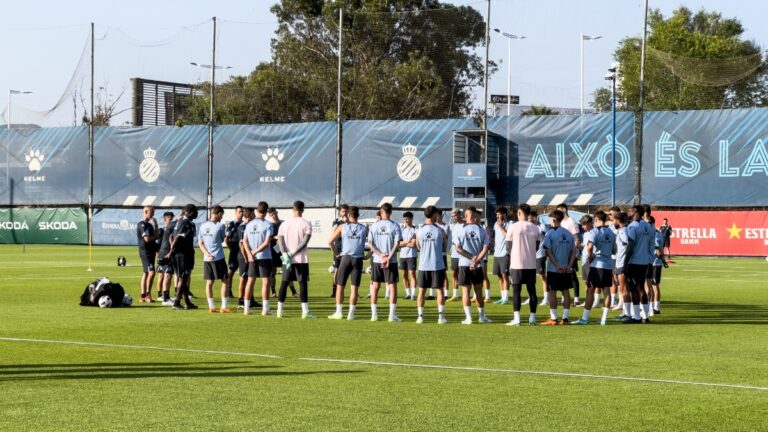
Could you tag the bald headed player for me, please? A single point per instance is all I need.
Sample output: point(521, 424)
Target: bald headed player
point(147, 234)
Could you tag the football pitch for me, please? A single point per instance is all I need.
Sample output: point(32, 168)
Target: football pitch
point(701, 365)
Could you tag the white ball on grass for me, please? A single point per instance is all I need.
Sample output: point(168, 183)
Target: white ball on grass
point(105, 301)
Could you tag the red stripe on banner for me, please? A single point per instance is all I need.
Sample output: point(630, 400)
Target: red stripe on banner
point(741, 233)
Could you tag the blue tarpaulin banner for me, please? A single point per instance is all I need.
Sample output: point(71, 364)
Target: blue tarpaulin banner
point(706, 158)
point(406, 162)
point(275, 163)
point(568, 158)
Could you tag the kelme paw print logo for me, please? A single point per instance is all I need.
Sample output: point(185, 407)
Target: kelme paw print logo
point(35, 160)
point(273, 158)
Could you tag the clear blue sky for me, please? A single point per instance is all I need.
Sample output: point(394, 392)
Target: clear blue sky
point(44, 41)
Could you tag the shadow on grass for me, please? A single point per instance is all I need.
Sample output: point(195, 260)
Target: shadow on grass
point(92, 371)
point(110, 365)
point(712, 313)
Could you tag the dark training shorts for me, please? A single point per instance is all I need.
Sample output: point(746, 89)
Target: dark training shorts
point(260, 268)
point(213, 270)
point(559, 281)
point(600, 277)
point(387, 275)
point(147, 262)
point(501, 265)
point(430, 279)
point(469, 277)
point(408, 263)
point(350, 268)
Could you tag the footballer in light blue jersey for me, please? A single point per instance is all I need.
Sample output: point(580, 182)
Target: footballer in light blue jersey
point(561, 255)
point(642, 236)
point(384, 236)
point(431, 241)
point(384, 240)
point(471, 244)
point(472, 239)
point(598, 244)
point(353, 237)
point(212, 236)
point(210, 242)
point(604, 242)
point(559, 243)
point(257, 232)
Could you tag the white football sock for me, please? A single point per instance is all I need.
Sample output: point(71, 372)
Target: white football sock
point(392, 309)
point(605, 315)
point(265, 306)
point(468, 312)
point(516, 315)
point(339, 309)
point(553, 314)
point(374, 309)
point(211, 305)
point(487, 293)
point(585, 315)
point(566, 313)
point(280, 307)
point(304, 308)
point(420, 311)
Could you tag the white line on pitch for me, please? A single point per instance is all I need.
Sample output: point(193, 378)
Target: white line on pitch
point(138, 347)
point(529, 372)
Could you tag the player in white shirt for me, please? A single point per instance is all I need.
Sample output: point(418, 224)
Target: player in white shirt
point(408, 255)
point(454, 230)
point(501, 254)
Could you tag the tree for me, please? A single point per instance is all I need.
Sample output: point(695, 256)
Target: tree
point(602, 100)
point(540, 110)
point(401, 59)
point(693, 61)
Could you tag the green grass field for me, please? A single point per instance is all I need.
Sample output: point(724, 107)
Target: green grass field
point(712, 331)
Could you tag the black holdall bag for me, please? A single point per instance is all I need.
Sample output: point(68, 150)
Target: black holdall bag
point(99, 288)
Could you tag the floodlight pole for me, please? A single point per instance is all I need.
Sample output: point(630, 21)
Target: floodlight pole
point(485, 82)
point(613, 140)
point(639, 116)
point(90, 156)
point(209, 197)
point(339, 127)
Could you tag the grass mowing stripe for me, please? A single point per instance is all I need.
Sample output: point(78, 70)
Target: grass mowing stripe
point(530, 372)
point(138, 347)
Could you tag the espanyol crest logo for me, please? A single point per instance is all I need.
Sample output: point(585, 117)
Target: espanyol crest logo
point(149, 170)
point(409, 166)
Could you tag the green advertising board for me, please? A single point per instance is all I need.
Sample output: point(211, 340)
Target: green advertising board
point(43, 225)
